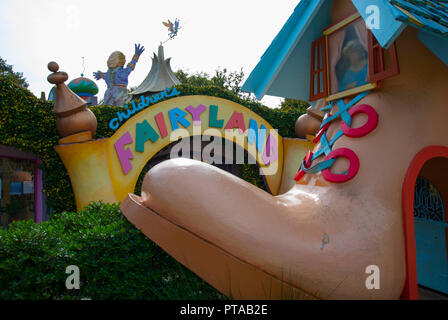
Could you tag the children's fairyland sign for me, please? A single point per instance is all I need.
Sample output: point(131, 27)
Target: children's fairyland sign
point(108, 169)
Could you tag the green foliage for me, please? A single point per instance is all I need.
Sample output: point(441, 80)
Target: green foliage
point(28, 124)
point(11, 208)
point(199, 79)
point(291, 105)
point(116, 261)
point(222, 79)
point(103, 116)
point(6, 71)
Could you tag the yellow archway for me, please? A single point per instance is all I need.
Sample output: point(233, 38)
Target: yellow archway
point(108, 169)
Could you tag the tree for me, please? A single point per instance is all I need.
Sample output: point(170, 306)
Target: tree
point(6, 71)
point(222, 78)
point(232, 81)
point(198, 79)
point(288, 105)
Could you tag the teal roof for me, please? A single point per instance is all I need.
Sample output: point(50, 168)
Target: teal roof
point(83, 85)
point(283, 70)
point(291, 46)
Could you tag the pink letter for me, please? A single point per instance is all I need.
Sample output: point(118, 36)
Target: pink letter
point(160, 120)
point(271, 146)
point(124, 154)
point(236, 121)
point(196, 112)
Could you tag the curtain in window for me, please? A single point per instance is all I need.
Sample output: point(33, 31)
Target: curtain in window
point(361, 32)
point(335, 42)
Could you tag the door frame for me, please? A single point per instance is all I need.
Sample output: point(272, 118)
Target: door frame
point(410, 291)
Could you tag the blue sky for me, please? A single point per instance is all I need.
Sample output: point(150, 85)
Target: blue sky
point(232, 34)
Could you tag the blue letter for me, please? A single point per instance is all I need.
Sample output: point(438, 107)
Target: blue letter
point(253, 133)
point(144, 132)
point(178, 116)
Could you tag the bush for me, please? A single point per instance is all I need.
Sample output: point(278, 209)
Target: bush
point(116, 260)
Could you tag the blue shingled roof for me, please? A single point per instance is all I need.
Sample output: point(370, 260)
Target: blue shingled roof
point(425, 14)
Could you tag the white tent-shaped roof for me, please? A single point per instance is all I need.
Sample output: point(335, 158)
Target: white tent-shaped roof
point(159, 77)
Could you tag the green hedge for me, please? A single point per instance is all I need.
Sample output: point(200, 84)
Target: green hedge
point(28, 124)
point(116, 261)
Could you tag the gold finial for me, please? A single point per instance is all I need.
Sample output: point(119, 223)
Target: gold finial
point(56, 77)
point(53, 66)
point(73, 118)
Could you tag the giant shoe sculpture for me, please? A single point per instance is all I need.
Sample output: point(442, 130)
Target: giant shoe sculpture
point(320, 238)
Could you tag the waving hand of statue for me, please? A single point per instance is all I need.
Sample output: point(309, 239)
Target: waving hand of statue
point(139, 49)
point(98, 75)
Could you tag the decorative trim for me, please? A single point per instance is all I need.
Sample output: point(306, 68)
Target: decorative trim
point(351, 92)
point(341, 23)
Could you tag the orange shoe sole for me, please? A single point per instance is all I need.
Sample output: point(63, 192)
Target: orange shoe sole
point(231, 276)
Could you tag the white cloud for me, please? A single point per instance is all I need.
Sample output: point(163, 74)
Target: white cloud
point(231, 34)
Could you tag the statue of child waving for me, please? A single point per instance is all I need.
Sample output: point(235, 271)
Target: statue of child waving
point(116, 76)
